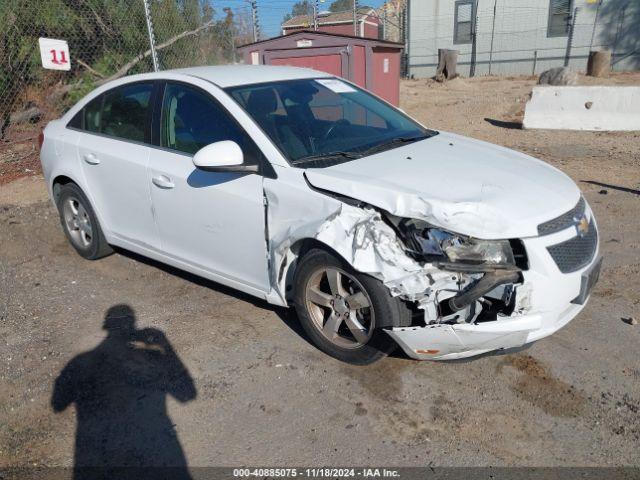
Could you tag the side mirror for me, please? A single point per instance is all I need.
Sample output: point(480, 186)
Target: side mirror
point(225, 156)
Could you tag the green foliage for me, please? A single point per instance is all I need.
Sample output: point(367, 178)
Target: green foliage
point(104, 35)
point(85, 86)
point(344, 5)
point(303, 7)
point(341, 5)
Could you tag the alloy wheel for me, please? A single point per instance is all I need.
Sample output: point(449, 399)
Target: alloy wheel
point(339, 307)
point(78, 222)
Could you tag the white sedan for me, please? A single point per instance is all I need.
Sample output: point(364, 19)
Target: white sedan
point(307, 191)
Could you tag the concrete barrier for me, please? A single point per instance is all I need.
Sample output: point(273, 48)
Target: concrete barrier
point(583, 108)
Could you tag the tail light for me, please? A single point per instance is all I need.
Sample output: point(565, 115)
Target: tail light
point(40, 139)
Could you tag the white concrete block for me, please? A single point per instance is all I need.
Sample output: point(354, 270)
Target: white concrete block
point(583, 108)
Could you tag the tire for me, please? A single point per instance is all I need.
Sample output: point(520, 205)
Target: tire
point(80, 224)
point(324, 286)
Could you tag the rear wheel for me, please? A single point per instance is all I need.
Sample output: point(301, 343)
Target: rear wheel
point(342, 310)
point(80, 223)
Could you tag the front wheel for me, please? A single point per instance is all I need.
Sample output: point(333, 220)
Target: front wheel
point(342, 310)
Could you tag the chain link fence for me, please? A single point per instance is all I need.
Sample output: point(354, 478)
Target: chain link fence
point(107, 39)
point(507, 37)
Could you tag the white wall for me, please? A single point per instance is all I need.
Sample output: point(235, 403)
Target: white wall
point(520, 30)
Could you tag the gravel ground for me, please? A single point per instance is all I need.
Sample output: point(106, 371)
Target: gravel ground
point(247, 388)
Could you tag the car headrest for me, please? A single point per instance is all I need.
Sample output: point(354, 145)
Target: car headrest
point(262, 102)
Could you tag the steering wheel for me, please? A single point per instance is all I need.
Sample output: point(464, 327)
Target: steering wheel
point(331, 130)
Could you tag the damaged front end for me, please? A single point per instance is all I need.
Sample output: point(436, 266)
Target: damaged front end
point(470, 269)
point(476, 287)
point(462, 290)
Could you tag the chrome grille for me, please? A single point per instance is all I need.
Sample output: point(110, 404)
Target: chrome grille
point(563, 221)
point(575, 253)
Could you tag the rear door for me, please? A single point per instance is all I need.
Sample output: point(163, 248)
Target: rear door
point(212, 221)
point(114, 153)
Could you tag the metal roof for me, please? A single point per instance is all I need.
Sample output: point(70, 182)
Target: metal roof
point(309, 33)
point(333, 17)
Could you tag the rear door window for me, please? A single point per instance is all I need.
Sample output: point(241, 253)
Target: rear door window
point(126, 112)
point(123, 113)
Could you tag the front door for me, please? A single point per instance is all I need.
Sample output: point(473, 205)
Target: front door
point(114, 155)
point(211, 221)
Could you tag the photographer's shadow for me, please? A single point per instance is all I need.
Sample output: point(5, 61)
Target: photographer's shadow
point(120, 389)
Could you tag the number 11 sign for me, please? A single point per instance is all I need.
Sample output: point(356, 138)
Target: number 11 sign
point(54, 54)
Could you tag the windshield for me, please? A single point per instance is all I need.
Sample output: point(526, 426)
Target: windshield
point(321, 122)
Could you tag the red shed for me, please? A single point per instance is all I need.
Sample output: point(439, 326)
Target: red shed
point(371, 64)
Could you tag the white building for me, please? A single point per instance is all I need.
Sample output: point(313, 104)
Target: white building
point(515, 37)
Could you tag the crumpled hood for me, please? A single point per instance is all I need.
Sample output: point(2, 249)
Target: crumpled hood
point(463, 185)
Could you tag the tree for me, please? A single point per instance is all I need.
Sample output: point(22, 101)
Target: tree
point(303, 7)
point(106, 39)
point(343, 6)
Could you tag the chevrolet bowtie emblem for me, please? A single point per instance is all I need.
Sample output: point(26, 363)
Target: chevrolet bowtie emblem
point(582, 225)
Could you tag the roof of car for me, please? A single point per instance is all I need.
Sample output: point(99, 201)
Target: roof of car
point(235, 75)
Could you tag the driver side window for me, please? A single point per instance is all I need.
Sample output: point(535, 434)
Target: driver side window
point(191, 119)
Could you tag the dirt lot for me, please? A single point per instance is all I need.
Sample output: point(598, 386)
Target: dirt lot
point(251, 389)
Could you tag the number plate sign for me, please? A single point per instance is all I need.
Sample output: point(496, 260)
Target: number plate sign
point(54, 54)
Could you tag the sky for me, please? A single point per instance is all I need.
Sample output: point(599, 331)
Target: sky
point(270, 12)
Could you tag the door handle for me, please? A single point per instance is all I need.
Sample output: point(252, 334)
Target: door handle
point(91, 159)
point(162, 181)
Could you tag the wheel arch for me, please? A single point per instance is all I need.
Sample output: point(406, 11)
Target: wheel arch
point(58, 182)
point(64, 178)
point(303, 246)
point(287, 270)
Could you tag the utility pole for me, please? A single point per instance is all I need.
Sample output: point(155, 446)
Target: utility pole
point(355, 18)
point(254, 18)
point(384, 21)
point(315, 14)
point(406, 40)
point(152, 38)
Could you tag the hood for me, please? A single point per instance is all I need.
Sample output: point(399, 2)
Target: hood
point(463, 185)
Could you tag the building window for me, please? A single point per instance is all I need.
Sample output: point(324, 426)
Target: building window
point(463, 21)
point(559, 18)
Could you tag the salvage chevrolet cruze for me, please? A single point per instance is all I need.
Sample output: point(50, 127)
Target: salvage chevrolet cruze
point(304, 190)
